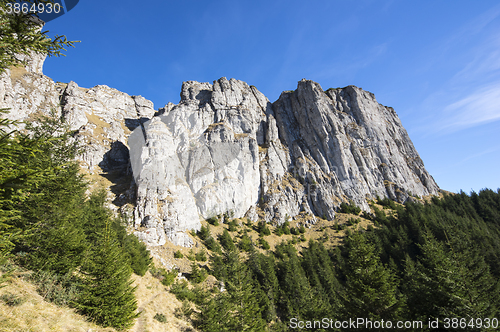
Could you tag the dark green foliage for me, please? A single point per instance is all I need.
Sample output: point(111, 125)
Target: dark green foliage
point(294, 231)
point(22, 35)
point(182, 293)
point(197, 274)
point(349, 208)
point(201, 256)
point(245, 243)
point(12, 300)
point(353, 221)
point(371, 288)
point(232, 225)
point(191, 255)
point(50, 211)
point(56, 288)
point(302, 229)
point(265, 245)
point(136, 251)
point(386, 203)
point(235, 309)
point(226, 240)
point(160, 317)
point(283, 228)
point(167, 278)
point(263, 229)
point(213, 245)
point(55, 230)
point(426, 261)
point(107, 296)
point(204, 233)
point(178, 254)
point(213, 221)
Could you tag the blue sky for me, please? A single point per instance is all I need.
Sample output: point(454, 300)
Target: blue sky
point(437, 63)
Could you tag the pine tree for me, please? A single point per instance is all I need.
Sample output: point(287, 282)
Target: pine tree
point(20, 34)
point(108, 297)
point(446, 283)
point(371, 288)
point(236, 308)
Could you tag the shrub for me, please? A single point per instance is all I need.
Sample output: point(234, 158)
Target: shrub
point(263, 229)
point(213, 245)
point(167, 278)
point(302, 229)
point(213, 221)
point(226, 241)
point(137, 253)
point(265, 245)
point(232, 225)
point(178, 254)
point(185, 311)
point(55, 288)
point(204, 232)
point(387, 203)
point(191, 256)
point(197, 275)
point(11, 300)
point(349, 208)
point(245, 243)
point(182, 292)
point(160, 317)
point(201, 256)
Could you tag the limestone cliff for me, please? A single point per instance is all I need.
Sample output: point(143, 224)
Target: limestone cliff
point(225, 148)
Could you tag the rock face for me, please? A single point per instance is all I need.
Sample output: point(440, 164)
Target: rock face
point(226, 149)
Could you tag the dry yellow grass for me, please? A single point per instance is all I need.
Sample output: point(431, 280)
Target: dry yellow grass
point(37, 315)
point(153, 298)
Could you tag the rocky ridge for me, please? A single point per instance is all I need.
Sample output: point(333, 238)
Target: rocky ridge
point(225, 148)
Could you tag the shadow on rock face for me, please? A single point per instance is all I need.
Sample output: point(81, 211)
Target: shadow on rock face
point(116, 165)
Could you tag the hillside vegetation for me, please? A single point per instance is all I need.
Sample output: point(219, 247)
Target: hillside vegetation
point(64, 255)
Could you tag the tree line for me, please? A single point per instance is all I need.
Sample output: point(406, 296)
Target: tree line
point(428, 262)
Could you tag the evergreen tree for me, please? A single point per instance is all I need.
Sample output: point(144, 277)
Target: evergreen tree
point(445, 283)
point(21, 34)
point(48, 191)
point(236, 308)
point(226, 241)
point(371, 288)
point(107, 296)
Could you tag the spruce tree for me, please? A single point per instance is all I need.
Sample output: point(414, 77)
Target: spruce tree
point(371, 288)
point(108, 296)
point(236, 308)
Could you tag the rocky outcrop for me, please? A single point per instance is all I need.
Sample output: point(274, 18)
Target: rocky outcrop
point(224, 148)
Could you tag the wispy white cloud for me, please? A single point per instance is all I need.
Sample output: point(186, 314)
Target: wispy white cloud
point(479, 107)
point(471, 96)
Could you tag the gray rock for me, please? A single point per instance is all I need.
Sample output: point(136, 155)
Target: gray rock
point(226, 148)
